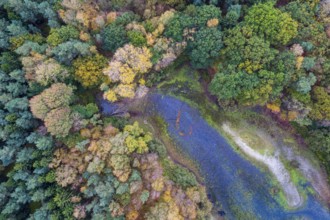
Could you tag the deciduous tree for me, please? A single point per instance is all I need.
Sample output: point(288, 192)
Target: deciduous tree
point(113, 36)
point(50, 72)
point(69, 50)
point(267, 21)
point(62, 34)
point(88, 70)
point(59, 121)
point(321, 106)
point(205, 47)
point(127, 66)
point(246, 50)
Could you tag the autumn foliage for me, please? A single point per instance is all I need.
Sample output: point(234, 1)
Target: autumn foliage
point(52, 105)
point(127, 66)
point(88, 70)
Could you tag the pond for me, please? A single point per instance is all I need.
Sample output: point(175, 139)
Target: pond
point(236, 187)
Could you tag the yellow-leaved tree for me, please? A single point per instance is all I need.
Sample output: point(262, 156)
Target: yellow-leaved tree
point(88, 70)
point(137, 140)
point(126, 70)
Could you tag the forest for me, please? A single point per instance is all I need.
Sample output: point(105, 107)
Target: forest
point(62, 158)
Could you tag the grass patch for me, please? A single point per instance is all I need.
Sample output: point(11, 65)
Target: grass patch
point(181, 79)
point(256, 142)
point(255, 138)
point(178, 174)
point(281, 199)
point(298, 180)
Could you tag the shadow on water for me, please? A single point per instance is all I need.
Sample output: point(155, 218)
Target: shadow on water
point(236, 187)
point(111, 109)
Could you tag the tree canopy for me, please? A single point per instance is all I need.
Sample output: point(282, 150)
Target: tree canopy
point(269, 22)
